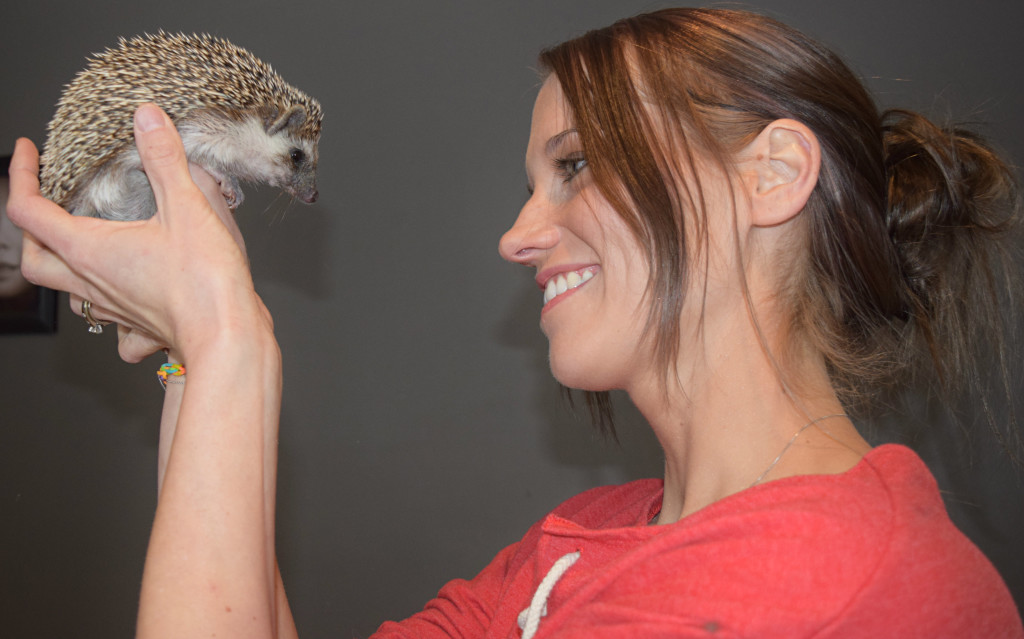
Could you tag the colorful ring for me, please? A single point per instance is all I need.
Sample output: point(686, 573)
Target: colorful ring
point(171, 374)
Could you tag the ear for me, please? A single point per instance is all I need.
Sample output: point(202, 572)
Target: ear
point(781, 165)
point(291, 118)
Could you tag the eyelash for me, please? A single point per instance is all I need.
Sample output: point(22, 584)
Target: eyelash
point(566, 168)
point(570, 166)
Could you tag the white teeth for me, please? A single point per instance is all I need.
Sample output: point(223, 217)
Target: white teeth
point(562, 283)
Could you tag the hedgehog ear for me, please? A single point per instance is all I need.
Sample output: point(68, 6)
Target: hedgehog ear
point(291, 118)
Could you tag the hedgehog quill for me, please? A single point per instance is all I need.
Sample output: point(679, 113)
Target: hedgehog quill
point(238, 119)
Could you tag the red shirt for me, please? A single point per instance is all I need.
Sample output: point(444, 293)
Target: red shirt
point(867, 553)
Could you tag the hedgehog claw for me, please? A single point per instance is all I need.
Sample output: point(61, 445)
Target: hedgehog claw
point(231, 191)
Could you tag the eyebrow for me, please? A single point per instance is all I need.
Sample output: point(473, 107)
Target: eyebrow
point(556, 140)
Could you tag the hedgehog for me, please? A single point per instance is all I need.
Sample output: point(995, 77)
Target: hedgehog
point(238, 119)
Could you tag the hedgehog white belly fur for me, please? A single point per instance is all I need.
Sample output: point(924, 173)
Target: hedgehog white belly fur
point(238, 119)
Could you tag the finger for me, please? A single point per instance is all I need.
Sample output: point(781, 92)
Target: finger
point(100, 314)
point(75, 302)
point(24, 163)
point(47, 223)
point(211, 189)
point(93, 315)
point(162, 153)
point(26, 206)
point(134, 346)
point(43, 267)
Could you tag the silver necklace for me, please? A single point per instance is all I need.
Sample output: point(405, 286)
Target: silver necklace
point(790, 443)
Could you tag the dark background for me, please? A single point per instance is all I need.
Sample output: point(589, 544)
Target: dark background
point(421, 431)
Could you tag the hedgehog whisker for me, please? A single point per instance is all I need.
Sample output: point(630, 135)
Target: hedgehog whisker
point(277, 214)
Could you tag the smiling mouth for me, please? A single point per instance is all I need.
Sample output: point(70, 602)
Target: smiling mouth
point(565, 282)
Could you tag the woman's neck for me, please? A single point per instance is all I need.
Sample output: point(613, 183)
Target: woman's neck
point(730, 422)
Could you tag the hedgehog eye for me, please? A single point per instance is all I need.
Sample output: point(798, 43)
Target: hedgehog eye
point(297, 156)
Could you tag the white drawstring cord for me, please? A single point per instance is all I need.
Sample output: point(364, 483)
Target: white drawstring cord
point(529, 619)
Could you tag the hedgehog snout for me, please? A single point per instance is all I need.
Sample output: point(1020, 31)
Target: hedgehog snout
point(304, 190)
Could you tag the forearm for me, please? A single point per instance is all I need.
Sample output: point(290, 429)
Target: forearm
point(210, 566)
point(181, 279)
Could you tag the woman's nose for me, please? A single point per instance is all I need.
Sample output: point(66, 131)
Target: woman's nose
point(533, 233)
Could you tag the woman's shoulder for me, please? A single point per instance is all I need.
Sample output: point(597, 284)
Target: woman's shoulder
point(871, 548)
point(926, 563)
point(889, 491)
point(884, 514)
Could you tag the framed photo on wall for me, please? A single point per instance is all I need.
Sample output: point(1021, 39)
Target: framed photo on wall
point(24, 307)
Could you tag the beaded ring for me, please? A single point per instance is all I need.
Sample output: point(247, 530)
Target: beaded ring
point(171, 374)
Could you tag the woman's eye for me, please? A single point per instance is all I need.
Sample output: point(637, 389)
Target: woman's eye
point(569, 167)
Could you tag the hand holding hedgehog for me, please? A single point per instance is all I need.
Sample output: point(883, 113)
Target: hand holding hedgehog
point(237, 118)
point(171, 278)
point(181, 279)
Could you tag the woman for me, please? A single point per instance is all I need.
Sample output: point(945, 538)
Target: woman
point(725, 228)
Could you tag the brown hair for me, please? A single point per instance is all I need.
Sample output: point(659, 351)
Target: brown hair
point(899, 275)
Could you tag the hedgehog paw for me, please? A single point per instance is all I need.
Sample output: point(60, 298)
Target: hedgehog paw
point(229, 188)
point(232, 192)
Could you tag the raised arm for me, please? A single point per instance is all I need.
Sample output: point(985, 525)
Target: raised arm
point(181, 279)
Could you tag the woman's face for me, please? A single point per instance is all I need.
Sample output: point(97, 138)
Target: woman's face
point(591, 269)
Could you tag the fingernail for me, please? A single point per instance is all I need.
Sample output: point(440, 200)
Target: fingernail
point(148, 118)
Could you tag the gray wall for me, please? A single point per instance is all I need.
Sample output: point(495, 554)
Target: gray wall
point(420, 430)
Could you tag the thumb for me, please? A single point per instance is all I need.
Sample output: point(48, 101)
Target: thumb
point(162, 154)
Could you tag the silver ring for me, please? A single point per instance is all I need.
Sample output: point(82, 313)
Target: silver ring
point(95, 327)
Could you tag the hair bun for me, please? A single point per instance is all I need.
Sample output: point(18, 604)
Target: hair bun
point(949, 196)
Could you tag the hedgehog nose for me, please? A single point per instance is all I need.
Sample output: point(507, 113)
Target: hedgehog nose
point(311, 197)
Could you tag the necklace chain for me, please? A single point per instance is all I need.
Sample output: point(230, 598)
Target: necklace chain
point(791, 442)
